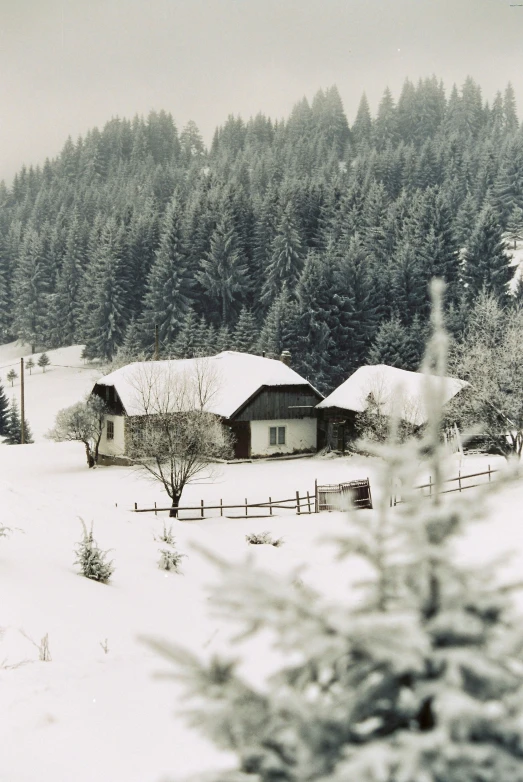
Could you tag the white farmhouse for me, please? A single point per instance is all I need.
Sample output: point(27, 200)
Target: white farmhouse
point(268, 406)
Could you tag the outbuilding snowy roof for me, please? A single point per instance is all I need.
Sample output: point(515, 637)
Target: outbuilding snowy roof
point(228, 379)
point(394, 390)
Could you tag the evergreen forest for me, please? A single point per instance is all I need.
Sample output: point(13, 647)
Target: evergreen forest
point(309, 234)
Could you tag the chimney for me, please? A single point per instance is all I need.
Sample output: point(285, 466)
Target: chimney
point(286, 357)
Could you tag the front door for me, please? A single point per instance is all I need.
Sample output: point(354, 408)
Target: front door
point(242, 442)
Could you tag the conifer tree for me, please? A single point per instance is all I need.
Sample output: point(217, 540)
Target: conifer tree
point(43, 361)
point(361, 131)
point(409, 283)
point(65, 306)
point(487, 266)
point(416, 677)
point(386, 123)
point(168, 296)
point(4, 412)
point(31, 289)
point(355, 301)
point(286, 258)
point(107, 314)
point(313, 344)
point(223, 271)
point(5, 291)
point(14, 426)
point(246, 332)
point(274, 335)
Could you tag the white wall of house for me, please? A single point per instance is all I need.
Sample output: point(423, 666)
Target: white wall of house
point(300, 435)
point(116, 446)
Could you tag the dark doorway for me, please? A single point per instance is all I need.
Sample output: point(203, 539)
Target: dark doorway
point(242, 433)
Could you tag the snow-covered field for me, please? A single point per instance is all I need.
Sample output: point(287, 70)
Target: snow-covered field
point(90, 715)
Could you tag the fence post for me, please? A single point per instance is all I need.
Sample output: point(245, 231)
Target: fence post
point(459, 480)
point(316, 504)
point(270, 506)
point(221, 508)
point(430, 485)
point(201, 511)
point(298, 509)
point(155, 512)
point(489, 473)
point(246, 507)
point(136, 506)
point(308, 502)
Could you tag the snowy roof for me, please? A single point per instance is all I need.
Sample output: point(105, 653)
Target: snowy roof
point(394, 390)
point(228, 379)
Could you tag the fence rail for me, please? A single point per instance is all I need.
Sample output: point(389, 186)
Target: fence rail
point(304, 504)
point(334, 496)
point(395, 500)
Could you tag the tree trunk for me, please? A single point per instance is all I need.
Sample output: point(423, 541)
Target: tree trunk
point(90, 460)
point(173, 513)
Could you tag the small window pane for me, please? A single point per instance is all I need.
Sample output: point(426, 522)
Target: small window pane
point(110, 430)
point(272, 435)
point(281, 435)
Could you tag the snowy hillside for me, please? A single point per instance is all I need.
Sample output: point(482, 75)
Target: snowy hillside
point(65, 381)
point(89, 714)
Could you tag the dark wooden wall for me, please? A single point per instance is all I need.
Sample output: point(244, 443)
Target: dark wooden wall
point(110, 397)
point(273, 403)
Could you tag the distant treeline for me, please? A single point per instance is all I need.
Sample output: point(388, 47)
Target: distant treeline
point(306, 234)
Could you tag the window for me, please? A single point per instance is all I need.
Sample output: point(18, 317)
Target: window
point(110, 430)
point(276, 435)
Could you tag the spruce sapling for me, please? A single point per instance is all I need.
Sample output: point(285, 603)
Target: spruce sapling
point(170, 560)
point(420, 680)
point(92, 559)
point(44, 361)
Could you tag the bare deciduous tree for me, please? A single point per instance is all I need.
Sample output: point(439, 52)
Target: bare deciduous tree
point(82, 422)
point(175, 437)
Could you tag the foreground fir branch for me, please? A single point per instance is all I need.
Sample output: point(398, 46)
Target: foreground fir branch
point(422, 681)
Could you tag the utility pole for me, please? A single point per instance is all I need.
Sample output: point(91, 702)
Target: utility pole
point(22, 403)
point(156, 344)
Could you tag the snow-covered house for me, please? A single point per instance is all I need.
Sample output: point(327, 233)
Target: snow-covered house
point(391, 390)
point(269, 407)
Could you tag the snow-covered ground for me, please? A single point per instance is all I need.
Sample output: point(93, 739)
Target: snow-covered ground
point(90, 715)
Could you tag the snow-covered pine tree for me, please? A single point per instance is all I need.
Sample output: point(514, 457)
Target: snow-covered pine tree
point(223, 270)
point(286, 258)
point(43, 361)
point(14, 426)
point(4, 412)
point(168, 294)
point(5, 292)
point(106, 309)
point(246, 332)
point(487, 265)
point(30, 290)
point(418, 680)
point(65, 307)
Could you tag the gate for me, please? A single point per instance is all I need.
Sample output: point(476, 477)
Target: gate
point(341, 496)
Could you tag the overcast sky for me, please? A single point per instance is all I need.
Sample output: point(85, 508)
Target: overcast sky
point(68, 65)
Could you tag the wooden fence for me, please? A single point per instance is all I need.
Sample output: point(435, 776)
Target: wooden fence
point(336, 496)
point(301, 504)
point(395, 500)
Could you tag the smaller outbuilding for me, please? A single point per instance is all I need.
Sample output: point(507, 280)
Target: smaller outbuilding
point(388, 391)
